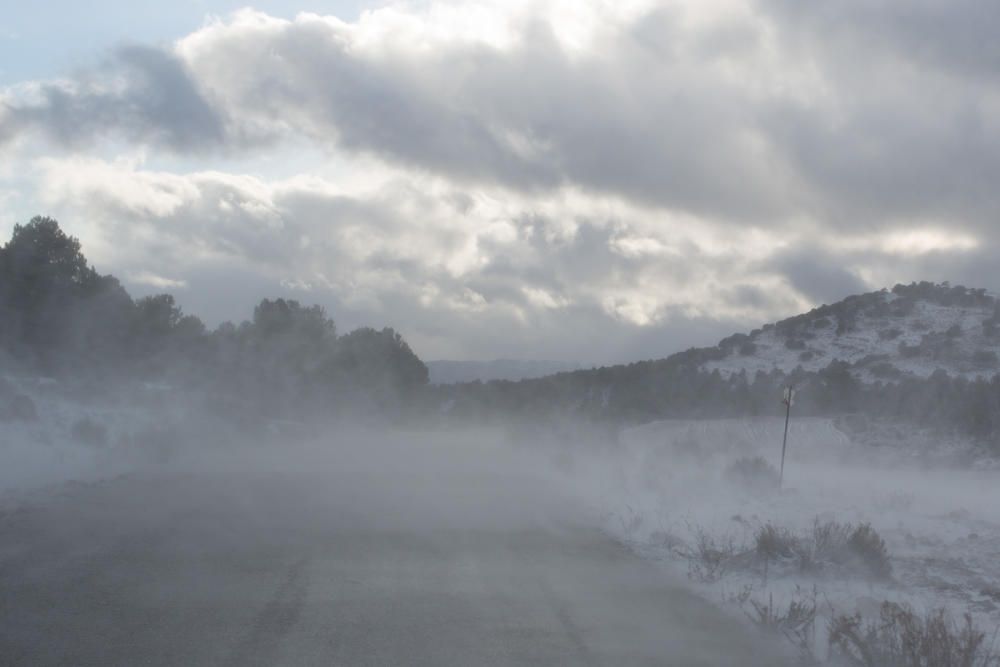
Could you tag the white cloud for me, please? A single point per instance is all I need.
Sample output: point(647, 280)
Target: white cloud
point(512, 173)
point(153, 280)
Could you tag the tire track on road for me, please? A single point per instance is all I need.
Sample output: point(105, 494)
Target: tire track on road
point(278, 617)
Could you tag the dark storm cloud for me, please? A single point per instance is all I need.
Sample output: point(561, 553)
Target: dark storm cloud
point(959, 36)
point(155, 101)
point(820, 276)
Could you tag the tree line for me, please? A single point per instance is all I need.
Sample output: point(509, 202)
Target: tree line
point(60, 317)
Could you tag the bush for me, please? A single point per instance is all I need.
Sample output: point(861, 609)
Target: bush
point(829, 542)
point(709, 559)
point(866, 546)
point(901, 638)
point(841, 547)
point(796, 622)
point(795, 344)
point(774, 543)
point(852, 548)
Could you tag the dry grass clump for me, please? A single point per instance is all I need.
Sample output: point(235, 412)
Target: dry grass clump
point(796, 621)
point(709, 558)
point(902, 638)
point(831, 545)
point(774, 543)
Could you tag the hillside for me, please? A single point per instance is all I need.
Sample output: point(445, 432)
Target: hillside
point(921, 353)
point(912, 330)
point(449, 372)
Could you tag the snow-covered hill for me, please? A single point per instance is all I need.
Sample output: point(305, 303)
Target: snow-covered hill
point(913, 329)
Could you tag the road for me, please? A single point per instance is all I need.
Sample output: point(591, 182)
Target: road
point(383, 555)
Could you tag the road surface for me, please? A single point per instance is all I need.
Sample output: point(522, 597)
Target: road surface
point(379, 556)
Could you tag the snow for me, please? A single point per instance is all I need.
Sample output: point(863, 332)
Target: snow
point(864, 340)
point(80, 434)
point(665, 484)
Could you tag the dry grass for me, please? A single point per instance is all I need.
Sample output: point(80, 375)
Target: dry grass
point(709, 558)
point(830, 545)
point(902, 638)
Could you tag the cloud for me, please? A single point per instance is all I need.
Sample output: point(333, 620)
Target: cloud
point(141, 94)
point(501, 175)
point(431, 260)
point(469, 273)
point(748, 112)
point(155, 281)
point(819, 275)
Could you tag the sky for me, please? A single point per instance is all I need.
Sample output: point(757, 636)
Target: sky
point(588, 181)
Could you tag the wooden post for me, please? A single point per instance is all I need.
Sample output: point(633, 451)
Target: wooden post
point(789, 396)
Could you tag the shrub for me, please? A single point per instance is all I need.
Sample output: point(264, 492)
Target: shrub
point(829, 541)
point(854, 548)
point(901, 638)
point(868, 547)
point(709, 559)
point(774, 543)
point(796, 622)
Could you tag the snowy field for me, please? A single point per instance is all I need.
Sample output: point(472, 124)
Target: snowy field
point(669, 488)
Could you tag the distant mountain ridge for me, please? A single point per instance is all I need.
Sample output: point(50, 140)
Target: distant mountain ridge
point(450, 372)
point(924, 353)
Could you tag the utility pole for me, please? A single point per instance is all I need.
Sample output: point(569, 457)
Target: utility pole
point(788, 399)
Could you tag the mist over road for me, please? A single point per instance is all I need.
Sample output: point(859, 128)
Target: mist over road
point(362, 551)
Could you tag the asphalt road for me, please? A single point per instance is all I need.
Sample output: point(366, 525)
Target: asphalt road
point(391, 556)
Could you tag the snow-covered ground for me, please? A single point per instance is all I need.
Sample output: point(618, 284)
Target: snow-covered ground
point(966, 351)
point(66, 432)
point(666, 485)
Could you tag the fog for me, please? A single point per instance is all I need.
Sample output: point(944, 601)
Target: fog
point(322, 543)
point(141, 523)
